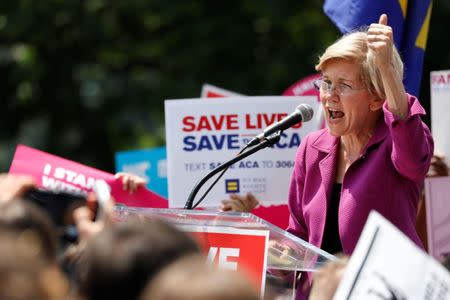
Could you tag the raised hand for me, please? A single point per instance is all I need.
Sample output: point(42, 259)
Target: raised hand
point(380, 41)
point(84, 217)
point(13, 186)
point(130, 182)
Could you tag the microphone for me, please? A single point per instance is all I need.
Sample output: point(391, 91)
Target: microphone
point(302, 113)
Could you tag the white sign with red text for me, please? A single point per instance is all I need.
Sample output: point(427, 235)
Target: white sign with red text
point(240, 250)
point(440, 106)
point(386, 264)
point(201, 135)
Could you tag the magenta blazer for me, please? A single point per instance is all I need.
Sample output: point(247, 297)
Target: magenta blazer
point(387, 177)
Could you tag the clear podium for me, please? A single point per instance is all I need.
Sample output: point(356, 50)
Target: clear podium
point(301, 256)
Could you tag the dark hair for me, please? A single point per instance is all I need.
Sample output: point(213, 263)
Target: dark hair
point(119, 262)
point(438, 166)
point(19, 215)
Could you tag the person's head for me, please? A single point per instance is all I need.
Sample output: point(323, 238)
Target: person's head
point(438, 167)
point(120, 260)
point(192, 278)
point(24, 273)
point(352, 92)
point(19, 215)
point(446, 261)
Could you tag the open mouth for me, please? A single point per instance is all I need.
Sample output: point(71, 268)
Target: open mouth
point(335, 114)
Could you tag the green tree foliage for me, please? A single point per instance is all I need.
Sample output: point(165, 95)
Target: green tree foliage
point(84, 79)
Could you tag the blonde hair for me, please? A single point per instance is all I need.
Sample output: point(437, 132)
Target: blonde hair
point(353, 47)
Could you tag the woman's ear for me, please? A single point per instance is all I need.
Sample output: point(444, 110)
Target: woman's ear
point(376, 103)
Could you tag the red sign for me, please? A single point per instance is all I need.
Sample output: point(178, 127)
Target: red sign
point(211, 91)
point(239, 250)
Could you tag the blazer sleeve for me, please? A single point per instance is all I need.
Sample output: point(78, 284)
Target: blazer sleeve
point(412, 143)
point(297, 224)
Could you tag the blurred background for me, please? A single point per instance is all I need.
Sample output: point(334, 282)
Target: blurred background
point(83, 79)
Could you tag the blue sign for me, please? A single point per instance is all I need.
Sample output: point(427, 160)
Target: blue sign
point(150, 164)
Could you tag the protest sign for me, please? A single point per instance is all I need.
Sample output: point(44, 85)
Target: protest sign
point(233, 249)
point(55, 173)
point(276, 214)
point(201, 135)
point(388, 265)
point(212, 91)
point(440, 105)
point(437, 190)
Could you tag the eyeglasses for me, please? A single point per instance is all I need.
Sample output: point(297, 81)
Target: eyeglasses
point(340, 88)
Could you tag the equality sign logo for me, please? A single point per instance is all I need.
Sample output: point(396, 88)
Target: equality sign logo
point(232, 186)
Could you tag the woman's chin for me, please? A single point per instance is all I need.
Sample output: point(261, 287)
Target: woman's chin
point(334, 131)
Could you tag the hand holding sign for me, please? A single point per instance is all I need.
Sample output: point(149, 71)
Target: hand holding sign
point(130, 182)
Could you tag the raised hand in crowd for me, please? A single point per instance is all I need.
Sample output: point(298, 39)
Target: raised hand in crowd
point(85, 217)
point(14, 186)
point(88, 226)
point(239, 203)
point(130, 182)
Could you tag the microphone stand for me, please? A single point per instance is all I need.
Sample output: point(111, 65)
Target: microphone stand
point(268, 141)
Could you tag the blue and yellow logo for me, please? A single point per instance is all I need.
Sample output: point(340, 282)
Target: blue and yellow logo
point(231, 186)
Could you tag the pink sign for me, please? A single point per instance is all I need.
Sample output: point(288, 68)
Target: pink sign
point(437, 191)
point(55, 173)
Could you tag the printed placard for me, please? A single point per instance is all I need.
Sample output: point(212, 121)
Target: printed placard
point(201, 135)
point(55, 173)
point(241, 250)
point(440, 106)
point(276, 214)
point(388, 265)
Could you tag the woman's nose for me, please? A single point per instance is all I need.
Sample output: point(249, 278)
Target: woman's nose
point(330, 95)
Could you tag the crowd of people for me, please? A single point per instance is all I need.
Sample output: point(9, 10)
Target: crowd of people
point(142, 258)
point(374, 155)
